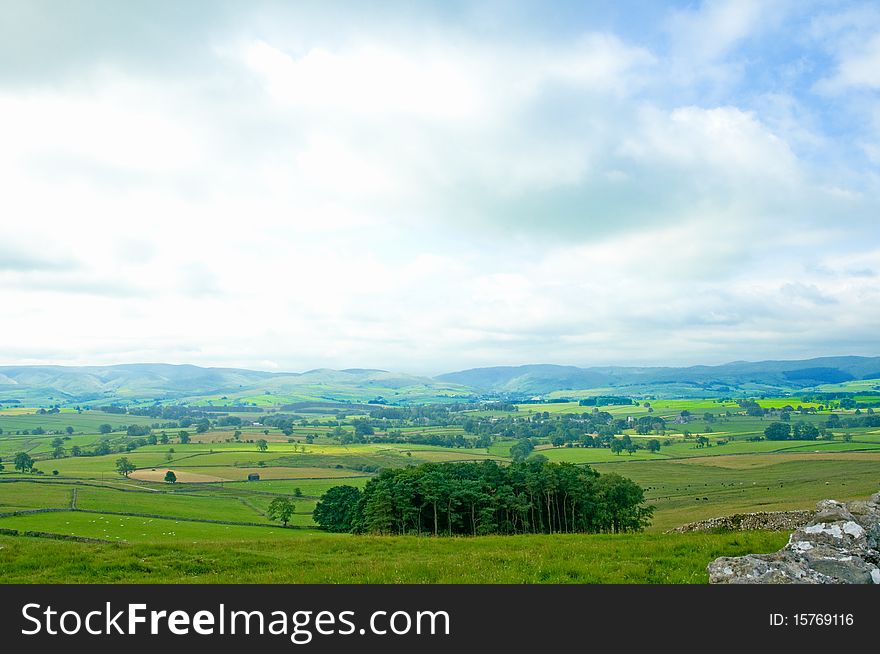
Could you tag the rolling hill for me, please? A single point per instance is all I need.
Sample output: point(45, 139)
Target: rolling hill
point(148, 382)
point(785, 376)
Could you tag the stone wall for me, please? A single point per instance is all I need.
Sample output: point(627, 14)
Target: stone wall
point(839, 544)
point(772, 520)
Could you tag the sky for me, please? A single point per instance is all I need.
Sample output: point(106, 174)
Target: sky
point(426, 187)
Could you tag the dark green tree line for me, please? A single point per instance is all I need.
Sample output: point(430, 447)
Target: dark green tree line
point(473, 499)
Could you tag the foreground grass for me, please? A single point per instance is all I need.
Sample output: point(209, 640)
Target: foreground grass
point(328, 558)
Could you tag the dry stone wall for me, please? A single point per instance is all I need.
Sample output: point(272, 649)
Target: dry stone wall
point(839, 544)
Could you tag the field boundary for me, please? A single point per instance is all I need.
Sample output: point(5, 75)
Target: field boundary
point(53, 536)
point(10, 514)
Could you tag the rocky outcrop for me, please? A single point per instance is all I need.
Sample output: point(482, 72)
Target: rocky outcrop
point(771, 520)
point(840, 544)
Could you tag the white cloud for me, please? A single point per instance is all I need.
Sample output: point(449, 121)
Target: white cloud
point(858, 67)
point(710, 31)
point(425, 204)
point(732, 142)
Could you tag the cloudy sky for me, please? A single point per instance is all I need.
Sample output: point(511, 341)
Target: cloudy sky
point(428, 187)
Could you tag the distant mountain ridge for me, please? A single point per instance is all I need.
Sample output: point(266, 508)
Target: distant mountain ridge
point(547, 378)
point(39, 385)
point(161, 381)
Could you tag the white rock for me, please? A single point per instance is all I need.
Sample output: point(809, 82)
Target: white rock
point(823, 528)
point(853, 529)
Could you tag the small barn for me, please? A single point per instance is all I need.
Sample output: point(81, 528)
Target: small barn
point(253, 477)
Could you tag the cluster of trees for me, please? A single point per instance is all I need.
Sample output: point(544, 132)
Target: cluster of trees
point(628, 445)
point(752, 408)
point(533, 496)
point(281, 421)
point(168, 412)
point(853, 422)
point(443, 440)
point(783, 431)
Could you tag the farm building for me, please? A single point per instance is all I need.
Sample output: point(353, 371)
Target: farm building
point(253, 477)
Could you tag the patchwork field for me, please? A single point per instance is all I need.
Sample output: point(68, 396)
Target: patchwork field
point(214, 525)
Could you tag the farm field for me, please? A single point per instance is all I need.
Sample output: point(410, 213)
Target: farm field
point(715, 462)
point(306, 557)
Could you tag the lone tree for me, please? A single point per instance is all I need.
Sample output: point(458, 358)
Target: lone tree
point(105, 428)
point(281, 509)
point(24, 462)
point(125, 467)
point(262, 445)
point(170, 477)
point(183, 436)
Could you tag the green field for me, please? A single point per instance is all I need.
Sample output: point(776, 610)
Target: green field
point(300, 556)
point(170, 532)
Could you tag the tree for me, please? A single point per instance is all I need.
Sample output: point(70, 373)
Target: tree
point(170, 477)
point(521, 449)
point(203, 425)
point(76, 450)
point(23, 462)
point(337, 509)
point(183, 436)
point(102, 448)
point(125, 467)
point(105, 428)
point(777, 431)
point(362, 427)
point(281, 509)
point(58, 453)
point(804, 431)
point(57, 442)
point(653, 445)
point(262, 445)
point(69, 430)
point(620, 504)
